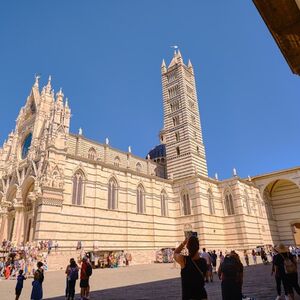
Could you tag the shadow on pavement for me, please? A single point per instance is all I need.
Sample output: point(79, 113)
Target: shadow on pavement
point(163, 289)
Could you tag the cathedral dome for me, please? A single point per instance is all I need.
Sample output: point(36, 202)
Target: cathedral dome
point(158, 153)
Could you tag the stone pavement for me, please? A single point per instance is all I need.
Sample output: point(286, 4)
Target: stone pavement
point(155, 281)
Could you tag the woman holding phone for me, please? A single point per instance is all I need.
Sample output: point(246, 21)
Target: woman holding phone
point(193, 270)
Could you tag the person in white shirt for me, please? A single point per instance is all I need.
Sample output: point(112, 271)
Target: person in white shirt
point(209, 274)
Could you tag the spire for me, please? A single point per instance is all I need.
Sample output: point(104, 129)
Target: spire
point(67, 103)
point(190, 64)
point(48, 86)
point(179, 54)
point(36, 83)
point(163, 67)
point(60, 97)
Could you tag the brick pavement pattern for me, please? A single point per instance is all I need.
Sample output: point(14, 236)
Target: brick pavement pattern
point(143, 282)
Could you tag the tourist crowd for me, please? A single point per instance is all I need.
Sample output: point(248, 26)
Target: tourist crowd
point(14, 258)
point(197, 268)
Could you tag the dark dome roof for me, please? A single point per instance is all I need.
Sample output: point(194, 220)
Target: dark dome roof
point(158, 151)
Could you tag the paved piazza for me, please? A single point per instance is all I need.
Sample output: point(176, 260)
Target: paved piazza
point(155, 281)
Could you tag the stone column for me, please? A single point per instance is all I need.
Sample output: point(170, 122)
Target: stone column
point(33, 198)
point(3, 230)
point(16, 230)
point(21, 229)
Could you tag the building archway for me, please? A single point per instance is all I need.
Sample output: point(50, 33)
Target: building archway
point(282, 205)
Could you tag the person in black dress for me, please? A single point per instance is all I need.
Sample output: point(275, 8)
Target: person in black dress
point(193, 270)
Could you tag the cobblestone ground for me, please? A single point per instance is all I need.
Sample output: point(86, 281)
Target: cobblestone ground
point(156, 281)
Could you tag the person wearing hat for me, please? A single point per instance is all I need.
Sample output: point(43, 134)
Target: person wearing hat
point(286, 266)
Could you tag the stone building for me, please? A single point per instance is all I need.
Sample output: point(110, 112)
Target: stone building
point(63, 186)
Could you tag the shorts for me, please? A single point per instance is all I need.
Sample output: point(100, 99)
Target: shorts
point(84, 283)
point(18, 292)
point(209, 268)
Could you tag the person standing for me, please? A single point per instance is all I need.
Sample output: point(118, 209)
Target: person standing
point(72, 276)
point(254, 257)
point(19, 286)
point(37, 284)
point(231, 274)
point(221, 257)
point(246, 257)
point(214, 261)
point(193, 270)
point(207, 257)
point(286, 265)
point(85, 273)
point(278, 278)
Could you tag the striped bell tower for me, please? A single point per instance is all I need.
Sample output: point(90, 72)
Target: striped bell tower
point(185, 152)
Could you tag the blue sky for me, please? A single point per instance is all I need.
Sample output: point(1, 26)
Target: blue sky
point(106, 55)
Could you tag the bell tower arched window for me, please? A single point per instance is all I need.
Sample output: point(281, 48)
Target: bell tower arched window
point(229, 204)
point(185, 203)
point(78, 188)
point(112, 194)
point(140, 199)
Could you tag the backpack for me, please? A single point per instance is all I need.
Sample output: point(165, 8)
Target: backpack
point(229, 267)
point(73, 275)
point(89, 270)
point(289, 265)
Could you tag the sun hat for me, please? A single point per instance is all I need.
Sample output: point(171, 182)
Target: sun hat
point(281, 248)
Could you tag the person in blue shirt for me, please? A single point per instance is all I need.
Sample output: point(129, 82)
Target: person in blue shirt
point(19, 286)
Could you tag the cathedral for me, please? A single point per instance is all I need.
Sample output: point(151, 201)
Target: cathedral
point(66, 187)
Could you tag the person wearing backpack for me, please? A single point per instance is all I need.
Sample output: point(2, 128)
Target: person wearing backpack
point(286, 265)
point(72, 276)
point(231, 274)
point(85, 273)
point(193, 270)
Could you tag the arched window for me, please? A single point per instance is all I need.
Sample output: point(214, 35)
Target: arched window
point(186, 205)
point(138, 167)
point(229, 204)
point(140, 199)
point(117, 161)
point(211, 204)
point(178, 150)
point(92, 154)
point(164, 204)
point(112, 194)
point(247, 203)
point(78, 187)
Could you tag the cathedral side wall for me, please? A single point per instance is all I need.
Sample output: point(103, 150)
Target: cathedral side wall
point(124, 228)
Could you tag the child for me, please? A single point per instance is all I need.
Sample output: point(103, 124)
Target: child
point(19, 285)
